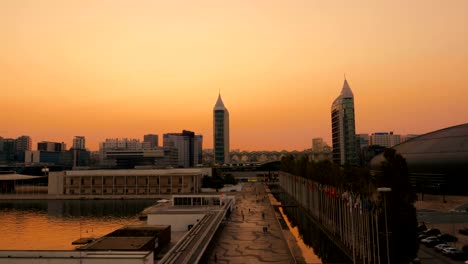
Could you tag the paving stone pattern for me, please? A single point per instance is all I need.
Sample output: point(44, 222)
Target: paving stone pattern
point(243, 239)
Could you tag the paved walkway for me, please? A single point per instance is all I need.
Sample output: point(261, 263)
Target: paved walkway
point(243, 240)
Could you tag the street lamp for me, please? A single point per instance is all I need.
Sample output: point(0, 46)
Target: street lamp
point(385, 190)
point(45, 170)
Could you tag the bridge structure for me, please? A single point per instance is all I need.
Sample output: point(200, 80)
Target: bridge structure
point(193, 244)
point(350, 221)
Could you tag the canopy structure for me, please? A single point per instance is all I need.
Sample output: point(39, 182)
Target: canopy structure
point(438, 159)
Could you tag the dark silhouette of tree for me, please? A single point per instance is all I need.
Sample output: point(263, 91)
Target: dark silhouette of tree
point(229, 179)
point(402, 221)
point(288, 163)
point(206, 182)
point(217, 182)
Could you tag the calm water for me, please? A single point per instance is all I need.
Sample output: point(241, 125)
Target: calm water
point(43, 225)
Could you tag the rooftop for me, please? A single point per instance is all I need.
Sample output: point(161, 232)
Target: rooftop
point(118, 243)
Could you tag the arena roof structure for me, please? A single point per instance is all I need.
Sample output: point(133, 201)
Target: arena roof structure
point(436, 158)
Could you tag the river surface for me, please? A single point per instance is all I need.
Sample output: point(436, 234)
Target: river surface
point(55, 224)
point(308, 252)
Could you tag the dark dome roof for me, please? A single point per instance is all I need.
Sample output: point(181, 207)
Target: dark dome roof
point(443, 151)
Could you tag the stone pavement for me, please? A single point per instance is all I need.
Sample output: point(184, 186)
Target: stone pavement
point(243, 239)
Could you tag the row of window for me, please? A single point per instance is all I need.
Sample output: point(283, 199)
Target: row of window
point(117, 181)
point(130, 191)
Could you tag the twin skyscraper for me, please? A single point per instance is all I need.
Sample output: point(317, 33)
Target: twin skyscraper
point(343, 129)
point(220, 132)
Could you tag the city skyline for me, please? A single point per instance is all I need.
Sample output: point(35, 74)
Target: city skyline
point(106, 69)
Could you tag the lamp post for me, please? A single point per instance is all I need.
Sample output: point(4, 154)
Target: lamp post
point(385, 190)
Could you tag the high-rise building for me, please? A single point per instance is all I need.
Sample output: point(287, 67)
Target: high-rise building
point(152, 139)
point(317, 144)
point(124, 143)
point(130, 153)
point(343, 127)
point(79, 142)
point(385, 139)
point(188, 145)
point(51, 146)
point(362, 141)
point(220, 132)
point(9, 149)
point(198, 150)
point(23, 143)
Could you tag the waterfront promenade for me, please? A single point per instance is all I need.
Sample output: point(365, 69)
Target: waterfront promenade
point(252, 234)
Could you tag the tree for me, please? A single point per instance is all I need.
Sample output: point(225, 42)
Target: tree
point(229, 179)
point(402, 221)
point(206, 182)
point(217, 183)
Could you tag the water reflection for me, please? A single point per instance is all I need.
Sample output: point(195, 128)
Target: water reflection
point(310, 234)
point(307, 252)
point(41, 225)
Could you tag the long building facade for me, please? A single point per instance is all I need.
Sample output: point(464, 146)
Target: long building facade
point(127, 182)
point(343, 127)
point(220, 132)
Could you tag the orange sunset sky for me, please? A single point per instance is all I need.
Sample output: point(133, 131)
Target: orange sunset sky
point(107, 69)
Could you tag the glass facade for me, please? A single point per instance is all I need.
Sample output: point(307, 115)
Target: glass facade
point(219, 136)
point(220, 132)
point(343, 128)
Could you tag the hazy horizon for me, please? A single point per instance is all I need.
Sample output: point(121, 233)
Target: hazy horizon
point(115, 69)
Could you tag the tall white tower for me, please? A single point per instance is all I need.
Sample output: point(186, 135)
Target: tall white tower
point(220, 132)
point(343, 127)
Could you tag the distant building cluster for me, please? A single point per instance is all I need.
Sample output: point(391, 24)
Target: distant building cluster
point(370, 145)
point(56, 153)
point(19, 152)
point(185, 149)
point(179, 150)
point(12, 150)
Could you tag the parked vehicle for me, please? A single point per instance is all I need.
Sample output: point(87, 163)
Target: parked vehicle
point(447, 238)
point(421, 237)
point(430, 241)
point(442, 246)
point(449, 251)
point(422, 228)
point(459, 255)
point(463, 231)
point(432, 232)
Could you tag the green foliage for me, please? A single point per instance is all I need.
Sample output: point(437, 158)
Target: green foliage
point(218, 182)
point(206, 182)
point(348, 178)
point(215, 182)
point(402, 221)
point(229, 179)
point(395, 175)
